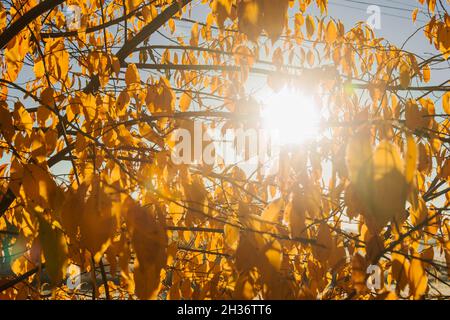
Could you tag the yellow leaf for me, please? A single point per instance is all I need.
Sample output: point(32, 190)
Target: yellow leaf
point(310, 26)
point(172, 25)
point(331, 34)
point(132, 74)
point(56, 59)
point(222, 10)
point(21, 265)
point(414, 14)
point(185, 101)
point(250, 14)
point(426, 73)
point(427, 256)
point(38, 147)
point(359, 273)
point(55, 251)
point(445, 170)
point(72, 210)
point(272, 211)
point(431, 5)
point(324, 243)
point(116, 65)
point(244, 287)
point(274, 16)
point(354, 207)
point(389, 192)
point(418, 280)
point(3, 13)
point(47, 97)
point(23, 118)
point(38, 68)
point(149, 241)
point(419, 210)
point(389, 295)
point(132, 4)
point(123, 100)
point(412, 156)
point(296, 213)
point(97, 222)
point(310, 58)
point(274, 255)
point(6, 122)
point(14, 57)
point(186, 288)
point(405, 76)
point(415, 117)
point(149, 13)
point(359, 152)
point(379, 181)
point(38, 188)
point(194, 35)
point(231, 234)
point(400, 270)
point(446, 103)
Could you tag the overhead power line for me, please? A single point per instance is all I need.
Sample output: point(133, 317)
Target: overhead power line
point(384, 13)
point(380, 5)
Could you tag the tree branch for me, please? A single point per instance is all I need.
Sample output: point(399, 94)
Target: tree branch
point(145, 32)
point(24, 20)
point(19, 279)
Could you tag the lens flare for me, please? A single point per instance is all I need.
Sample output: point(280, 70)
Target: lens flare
point(291, 117)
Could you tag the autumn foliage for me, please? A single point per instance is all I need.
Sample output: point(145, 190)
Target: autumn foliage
point(86, 177)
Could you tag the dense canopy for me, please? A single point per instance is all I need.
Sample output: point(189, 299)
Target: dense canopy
point(92, 205)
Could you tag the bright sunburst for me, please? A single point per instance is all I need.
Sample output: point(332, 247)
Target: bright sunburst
point(290, 116)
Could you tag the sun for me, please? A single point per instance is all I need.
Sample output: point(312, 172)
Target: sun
point(290, 116)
